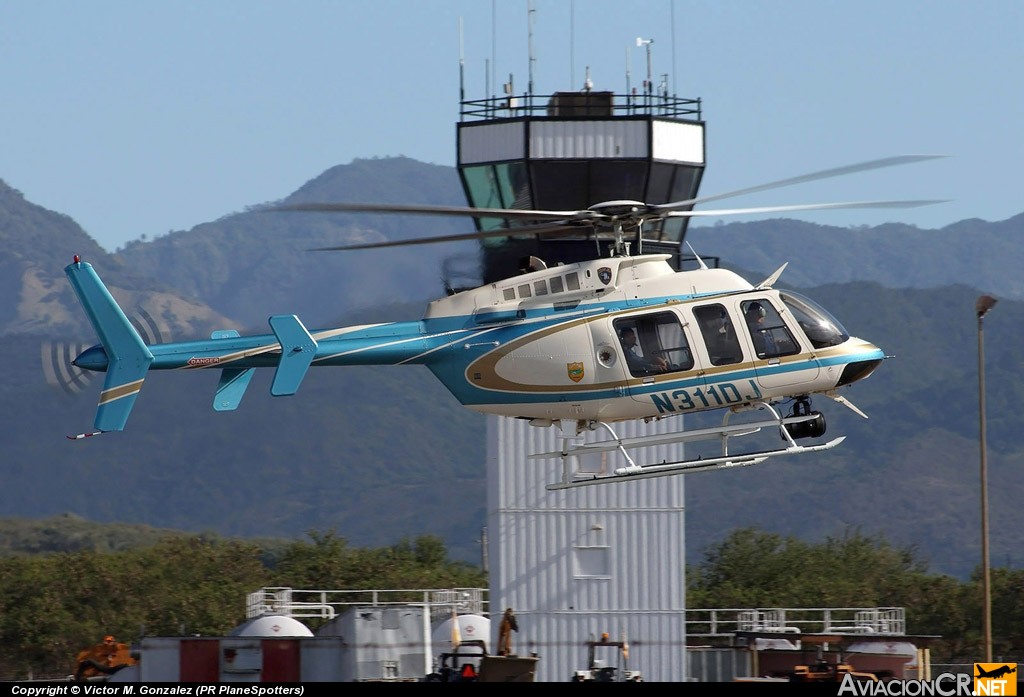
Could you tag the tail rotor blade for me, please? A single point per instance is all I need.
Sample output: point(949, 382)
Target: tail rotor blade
point(151, 330)
point(58, 369)
point(57, 357)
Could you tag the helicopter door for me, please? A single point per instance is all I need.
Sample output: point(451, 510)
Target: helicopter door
point(719, 335)
point(775, 347)
point(651, 345)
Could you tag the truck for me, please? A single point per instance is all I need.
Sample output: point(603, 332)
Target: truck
point(470, 662)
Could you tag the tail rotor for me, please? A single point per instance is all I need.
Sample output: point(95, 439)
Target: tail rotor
point(57, 356)
point(58, 368)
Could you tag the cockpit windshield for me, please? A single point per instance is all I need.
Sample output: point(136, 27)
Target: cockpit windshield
point(821, 328)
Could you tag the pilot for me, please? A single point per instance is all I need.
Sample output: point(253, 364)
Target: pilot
point(764, 342)
point(636, 362)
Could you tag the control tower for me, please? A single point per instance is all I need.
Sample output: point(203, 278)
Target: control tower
point(575, 564)
point(569, 151)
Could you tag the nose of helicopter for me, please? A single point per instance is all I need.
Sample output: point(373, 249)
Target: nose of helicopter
point(94, 358)
point(870, 357)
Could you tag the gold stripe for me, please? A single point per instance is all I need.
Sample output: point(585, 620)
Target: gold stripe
point(224, 360)
point(487, 364)
point(120, 391)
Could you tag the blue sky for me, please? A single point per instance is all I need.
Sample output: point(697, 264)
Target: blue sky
point(136, 118)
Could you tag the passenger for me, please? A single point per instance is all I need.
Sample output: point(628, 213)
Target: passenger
point(636, 362)
point(764, 341)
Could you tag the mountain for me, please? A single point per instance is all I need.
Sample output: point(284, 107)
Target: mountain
point(231, 262)
point(38, 243)
point(971, 252)
point(382, 453)
point(911, 470)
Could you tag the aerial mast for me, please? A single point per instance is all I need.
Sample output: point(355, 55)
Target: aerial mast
point(529, 29)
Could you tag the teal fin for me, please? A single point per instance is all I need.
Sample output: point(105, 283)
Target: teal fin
point(233, 381)
point(298, 349)
point(231, 388)
point(128, 357)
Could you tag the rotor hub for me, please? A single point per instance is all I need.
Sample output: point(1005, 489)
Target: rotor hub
point(620, 210)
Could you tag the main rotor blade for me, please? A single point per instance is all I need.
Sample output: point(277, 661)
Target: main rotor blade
point(803, 207)
point(813, 176)
point(431, 210)
point(520, 231)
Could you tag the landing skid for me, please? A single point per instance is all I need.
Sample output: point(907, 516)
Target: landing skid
point(569, 451)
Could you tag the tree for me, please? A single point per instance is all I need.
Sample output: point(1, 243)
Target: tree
point(755, 569)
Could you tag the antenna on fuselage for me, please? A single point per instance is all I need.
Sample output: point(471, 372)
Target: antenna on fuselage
point(620, 248)
point(770, 281)
point(696, 256)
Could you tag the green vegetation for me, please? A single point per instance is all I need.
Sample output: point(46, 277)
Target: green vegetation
point(755, 569)
point(54, 603)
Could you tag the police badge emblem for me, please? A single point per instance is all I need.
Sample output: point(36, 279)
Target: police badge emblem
point(575, 371)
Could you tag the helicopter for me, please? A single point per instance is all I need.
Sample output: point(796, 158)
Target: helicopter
point(577, 346)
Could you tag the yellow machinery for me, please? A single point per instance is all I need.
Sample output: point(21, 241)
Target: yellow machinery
point(103, 659)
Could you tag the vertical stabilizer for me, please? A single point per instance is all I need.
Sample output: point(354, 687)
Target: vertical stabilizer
point(128, 357)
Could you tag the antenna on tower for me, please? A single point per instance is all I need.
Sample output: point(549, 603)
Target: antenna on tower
point(628, 70)
point(462, 65)
point(529, 30)
point(646, 43)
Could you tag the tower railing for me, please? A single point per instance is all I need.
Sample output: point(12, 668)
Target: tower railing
point(580, 104)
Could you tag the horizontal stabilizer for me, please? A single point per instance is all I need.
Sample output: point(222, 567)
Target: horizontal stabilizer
point(231, 388)
point(233, 381)
point(298, 348)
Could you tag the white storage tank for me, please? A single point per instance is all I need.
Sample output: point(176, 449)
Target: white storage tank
point(381, 643)
point(271, 626)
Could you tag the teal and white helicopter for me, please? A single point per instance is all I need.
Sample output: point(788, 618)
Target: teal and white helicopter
point(578, 347)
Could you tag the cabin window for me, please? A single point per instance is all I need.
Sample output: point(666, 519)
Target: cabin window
point(653, 343)
point(769, 334)
point(572, 281)
point(524, 291)
point(820, 328)
point(540, 287)
point(719, 334)
point(556, 284)
point(509, 294)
